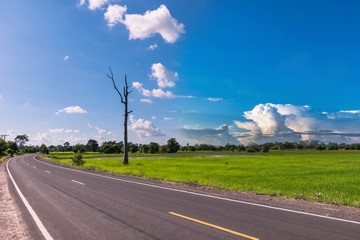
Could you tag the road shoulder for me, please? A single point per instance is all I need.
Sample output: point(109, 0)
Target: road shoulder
point(12, 224)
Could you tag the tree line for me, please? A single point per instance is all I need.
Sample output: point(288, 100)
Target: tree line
point(172, 146)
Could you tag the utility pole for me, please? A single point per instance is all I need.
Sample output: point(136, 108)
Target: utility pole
point(4, 136)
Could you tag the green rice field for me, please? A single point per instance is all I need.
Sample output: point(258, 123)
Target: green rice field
point(322, 176)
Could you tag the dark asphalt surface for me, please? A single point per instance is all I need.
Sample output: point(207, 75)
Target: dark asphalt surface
point(107, 208)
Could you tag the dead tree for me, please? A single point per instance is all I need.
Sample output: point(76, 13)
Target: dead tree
point(124, 100)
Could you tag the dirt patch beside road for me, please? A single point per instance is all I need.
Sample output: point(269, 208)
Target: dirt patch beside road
point(12, 226)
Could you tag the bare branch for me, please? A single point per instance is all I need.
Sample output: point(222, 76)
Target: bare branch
point(130, 111)
point(112, 78)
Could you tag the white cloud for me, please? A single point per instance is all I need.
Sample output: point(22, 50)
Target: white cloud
point(146, 100)
point(95, 4)
point(144, 128)
point(56, 130)
point(1, 97)
point(66, 58)
point(90, 126)
point(72, 109)
point(245, 125)
point(114, 14)
point(342, 114)
point(152, 47)
point(81, 2)
point(159, 93)
point(153, 117)
point(285, 122)
point(167, 118)
point(215, 136)
point(100, 131)
point(215, 99)
point(152, 22)
point(72, 131)
point(164, 77)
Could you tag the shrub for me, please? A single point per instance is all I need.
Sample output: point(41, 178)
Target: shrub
point(10, 152)
point(77, 160)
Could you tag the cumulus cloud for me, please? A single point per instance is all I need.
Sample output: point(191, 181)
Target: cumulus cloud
point(164, 77)
point(146, 100)
point(350, 114)
point(114, 14)
point(152, 47)
point(152, 22)
point(285, 122)
point(158, 93)
point(153, 117)
point(167, 118)
point(72, 131)
point(144, 128)
point(215, 99)
point(66, 58)
point(103, 131)
point(215, 136)
point(95, 4)
point(56, 130)
point(71, 109)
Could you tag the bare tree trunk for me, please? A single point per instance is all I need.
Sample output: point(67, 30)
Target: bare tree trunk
point(125, 102)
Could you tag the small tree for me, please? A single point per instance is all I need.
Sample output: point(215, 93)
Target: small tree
point(10, 152)
point(172, 145)
point(44, 149)
point(144, 148)
point(77, 160)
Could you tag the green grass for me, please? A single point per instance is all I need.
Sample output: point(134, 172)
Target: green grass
point(322, 176)
point(2, 158)
point(67, 155)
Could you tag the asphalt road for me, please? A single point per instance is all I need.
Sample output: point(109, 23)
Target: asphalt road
point(76, 204)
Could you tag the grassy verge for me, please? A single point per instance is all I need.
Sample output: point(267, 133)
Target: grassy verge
point(322, 176)
point(67, 155)
point(2, 158)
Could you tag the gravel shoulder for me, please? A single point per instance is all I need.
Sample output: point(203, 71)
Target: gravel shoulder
point(12, 224)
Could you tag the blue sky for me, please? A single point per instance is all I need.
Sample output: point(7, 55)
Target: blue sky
point(269, 71)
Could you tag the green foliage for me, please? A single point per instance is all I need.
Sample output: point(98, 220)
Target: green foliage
point(265, 148)
point(10, 152)
point(21, 140)
point(252, 147)
point(144, 148)
point(2, 146)
point(12, 145)
point(79, 148)
point(163, 149)
point(77, 160)
point(172, 145)
point(133, 148)
point(44, 149)
point(110, 147)
point(153, 147)
point(92, 146)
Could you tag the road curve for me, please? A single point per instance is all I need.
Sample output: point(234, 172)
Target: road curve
point(73, 204)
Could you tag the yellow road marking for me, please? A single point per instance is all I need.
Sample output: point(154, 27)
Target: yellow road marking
point(78, 182)
point(47, 171)
point(214, 226)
